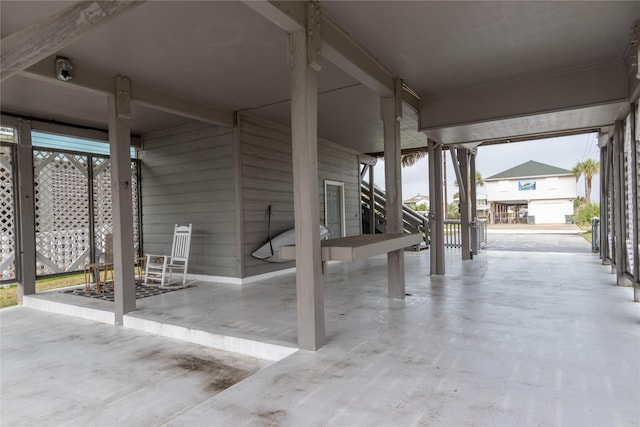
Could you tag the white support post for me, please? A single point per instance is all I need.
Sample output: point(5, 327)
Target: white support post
point(456, 168)
point(611, 214)
point(603, 139)
point(304, 134)
point(463, 186)
point(26, 205)
point(633, 166)
point(391, 110)
point(238, 194)
point(618, 202)
point(122, 209)
point(436, 209)
point(473, 195)
point(53, 33)
point(372, 201)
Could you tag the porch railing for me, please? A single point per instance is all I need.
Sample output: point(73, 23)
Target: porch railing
point(482, 232)
point(416, 222)
point(452, 233)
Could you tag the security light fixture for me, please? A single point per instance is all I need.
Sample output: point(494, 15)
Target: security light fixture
point(63, 69)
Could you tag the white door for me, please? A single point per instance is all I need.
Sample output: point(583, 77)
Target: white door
point(334, 208)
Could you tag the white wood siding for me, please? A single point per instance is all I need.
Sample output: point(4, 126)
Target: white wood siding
point(187, 177)
point(559, 187)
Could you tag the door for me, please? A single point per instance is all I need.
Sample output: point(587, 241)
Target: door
point(334, 215)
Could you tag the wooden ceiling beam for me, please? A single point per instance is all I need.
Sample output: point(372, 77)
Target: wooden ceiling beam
point(32, 44)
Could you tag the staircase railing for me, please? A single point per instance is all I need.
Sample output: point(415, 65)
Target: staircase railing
point(413, 222)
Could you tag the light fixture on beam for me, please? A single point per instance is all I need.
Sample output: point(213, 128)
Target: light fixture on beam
point(63, 69)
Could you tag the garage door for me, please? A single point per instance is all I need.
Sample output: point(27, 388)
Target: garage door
point(549, 213)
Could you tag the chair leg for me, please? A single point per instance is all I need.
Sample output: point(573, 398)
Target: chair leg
point(146, 271)
point(164, 272)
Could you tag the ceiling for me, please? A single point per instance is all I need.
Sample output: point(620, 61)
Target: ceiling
point(443, 46)
point(226, 55)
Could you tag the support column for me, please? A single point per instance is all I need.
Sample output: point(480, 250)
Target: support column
point(445, 199)
point(119, 105)
point(636, 221)
point(372, 202)
point(473, 197)
point(603, 140)
point(463, 186)
point(304, 133)
point(610, 225)
point(618, 202)
point(436, 214)
point(238, 195)
point(26, 204)
point(391, 111)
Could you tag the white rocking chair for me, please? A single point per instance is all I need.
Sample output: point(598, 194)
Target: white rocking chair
point(159, 268)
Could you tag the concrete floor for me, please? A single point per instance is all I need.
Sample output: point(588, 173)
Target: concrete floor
point(58, 370)
point(510, 338)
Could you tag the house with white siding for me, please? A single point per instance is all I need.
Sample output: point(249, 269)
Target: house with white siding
point(417, 200)
point(533, 193)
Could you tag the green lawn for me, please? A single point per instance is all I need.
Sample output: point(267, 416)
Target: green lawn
point(9, 296)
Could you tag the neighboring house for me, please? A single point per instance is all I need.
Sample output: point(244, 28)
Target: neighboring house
point(482, 207)
point(417, 200)
point(533, 192)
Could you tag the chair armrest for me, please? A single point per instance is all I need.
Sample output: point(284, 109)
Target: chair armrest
point(152, 256)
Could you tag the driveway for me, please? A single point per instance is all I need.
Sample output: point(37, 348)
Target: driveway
point(565, 243)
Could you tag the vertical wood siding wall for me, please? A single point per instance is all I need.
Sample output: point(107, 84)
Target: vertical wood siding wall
point(187, 177)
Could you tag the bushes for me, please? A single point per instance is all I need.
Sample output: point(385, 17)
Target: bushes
point(453, 211)
point(585, 213)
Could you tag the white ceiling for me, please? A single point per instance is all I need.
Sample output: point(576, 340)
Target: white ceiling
point(440, 46)
point(226, 55)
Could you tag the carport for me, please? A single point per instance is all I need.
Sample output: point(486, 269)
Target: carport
point(372, 77)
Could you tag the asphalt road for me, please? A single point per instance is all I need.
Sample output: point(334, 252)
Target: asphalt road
point(566, 243)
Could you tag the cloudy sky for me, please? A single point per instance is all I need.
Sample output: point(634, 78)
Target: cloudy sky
point(562, 152)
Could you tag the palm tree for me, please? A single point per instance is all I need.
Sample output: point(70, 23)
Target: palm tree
point(411, 158)
point(479, 180)
point(588, 168)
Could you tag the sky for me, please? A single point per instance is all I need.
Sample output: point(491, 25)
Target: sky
point(563, 152)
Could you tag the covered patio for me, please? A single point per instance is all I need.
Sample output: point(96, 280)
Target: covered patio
point(236, 107)
point(525, 338)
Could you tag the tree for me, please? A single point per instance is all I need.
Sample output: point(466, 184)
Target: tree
point(479, 180)
point(411, 158)
point(453, 211)
point(588, 168)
